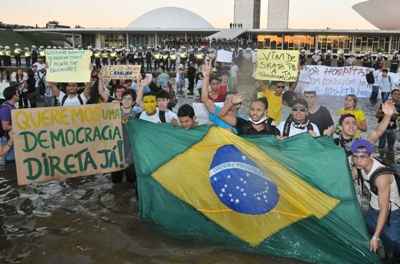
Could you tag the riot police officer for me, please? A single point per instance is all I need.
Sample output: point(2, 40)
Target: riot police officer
point(2, 53)
point(140, 57)
point(394, 63)
point(165, 58)
point(184, 57)
point(17, 54)
point(328, 58)
point(148, 55)
point(104, 57)
point(27, 56)
point(34, 54)
point(97, 58)
point(7, 56)
point(42, 54)
point(173, 60)
point(157, 59)
point(367, 60)
point(113, 56)
point(302, 57)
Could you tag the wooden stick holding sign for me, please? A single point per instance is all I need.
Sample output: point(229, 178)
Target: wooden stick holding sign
point(277, 65)
point(56, 143)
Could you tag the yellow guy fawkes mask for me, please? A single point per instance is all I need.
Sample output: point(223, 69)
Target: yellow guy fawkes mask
point(149, 104)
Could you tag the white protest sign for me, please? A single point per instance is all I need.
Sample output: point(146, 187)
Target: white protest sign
point(68, 65)
point(224, 56)
point(334, 81)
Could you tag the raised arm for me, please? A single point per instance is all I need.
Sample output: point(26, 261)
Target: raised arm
point(140, 92)
point(228, 113)
point(388, 109)
point(363, 126)
point(101, 88)
point(206, 69)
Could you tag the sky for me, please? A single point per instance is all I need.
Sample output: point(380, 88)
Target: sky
point(335, 14)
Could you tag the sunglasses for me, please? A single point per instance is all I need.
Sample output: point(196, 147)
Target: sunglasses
point(280, 86)
point(299, 109)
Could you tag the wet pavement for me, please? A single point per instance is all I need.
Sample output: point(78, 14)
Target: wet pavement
point(90, 220)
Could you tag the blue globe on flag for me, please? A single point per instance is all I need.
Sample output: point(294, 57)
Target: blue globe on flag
point(240, 184)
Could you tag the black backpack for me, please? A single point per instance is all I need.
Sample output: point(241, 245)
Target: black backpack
point(66, 97)
point(383, 171)
point(161, 115)
point(370, 77)
point(2, 132)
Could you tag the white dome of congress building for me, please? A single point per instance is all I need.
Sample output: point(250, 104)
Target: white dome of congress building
point(383, 14)
point(170, 18)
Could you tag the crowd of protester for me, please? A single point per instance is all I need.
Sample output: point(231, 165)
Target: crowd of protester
point(172, 79)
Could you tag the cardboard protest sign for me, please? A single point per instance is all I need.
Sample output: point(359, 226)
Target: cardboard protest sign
point(224, 56)
point(56, 143)
point(277, 65)
point(121, 72)
point(68, 65)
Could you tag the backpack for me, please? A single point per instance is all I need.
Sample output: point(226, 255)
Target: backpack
point(161, 115)
point(288, 123)
point(65, 99)
point(2, 132)
point(382, 171)
point(370, 77)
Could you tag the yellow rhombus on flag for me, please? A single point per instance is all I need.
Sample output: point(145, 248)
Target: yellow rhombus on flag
point(239, 187)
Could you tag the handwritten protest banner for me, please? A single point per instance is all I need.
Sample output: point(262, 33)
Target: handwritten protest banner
point(121, 72)
point(68, 65)
point(277, 65)
point(56, 143)
point(334, 81)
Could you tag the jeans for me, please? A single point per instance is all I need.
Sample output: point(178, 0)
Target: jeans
point(390, 137)
point(385, 96)
point(374, 94)
point(391, 232)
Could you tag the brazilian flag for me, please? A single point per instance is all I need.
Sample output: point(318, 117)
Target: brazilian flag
point(292, 198)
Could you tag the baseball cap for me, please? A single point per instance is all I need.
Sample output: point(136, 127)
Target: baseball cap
point(362, 145)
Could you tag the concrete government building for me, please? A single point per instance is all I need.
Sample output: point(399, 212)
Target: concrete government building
point(157, 27)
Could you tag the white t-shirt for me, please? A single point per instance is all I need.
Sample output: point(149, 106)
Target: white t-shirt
point(72, 100)
point(169, 116)
point(295, 131)
point(394, 192)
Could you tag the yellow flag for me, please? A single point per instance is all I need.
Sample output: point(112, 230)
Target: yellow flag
point(239, 187)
